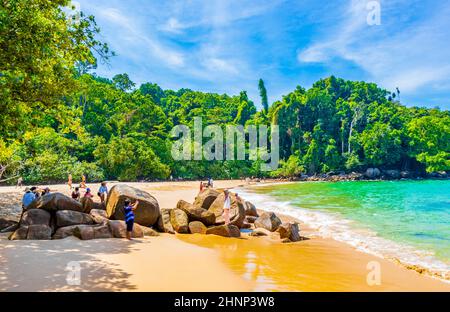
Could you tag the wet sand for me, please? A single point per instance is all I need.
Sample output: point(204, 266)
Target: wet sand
point(198, 262)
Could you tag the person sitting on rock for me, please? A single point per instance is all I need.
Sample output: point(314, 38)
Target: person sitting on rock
point(27, 198)
point(35, 191)
point(102, 192)
point(76, 194)
point(226, 207)
point(129, 215)
point(88, 193)
point(46, 191)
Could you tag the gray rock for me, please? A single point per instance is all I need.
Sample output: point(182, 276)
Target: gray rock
point(163, 224)
point(68, 218)
point(179, 220)
point(268, 221)
point(35, 217)
point(39, 232)
point(224, 230)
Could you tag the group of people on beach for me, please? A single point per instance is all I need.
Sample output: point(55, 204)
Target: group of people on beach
point(76, 194)
point(32, 193)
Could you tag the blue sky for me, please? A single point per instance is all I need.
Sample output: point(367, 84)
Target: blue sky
point(225, 46)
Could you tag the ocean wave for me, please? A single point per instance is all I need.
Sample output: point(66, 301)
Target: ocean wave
point(329, 225)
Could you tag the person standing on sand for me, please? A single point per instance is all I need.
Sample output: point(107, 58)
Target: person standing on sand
point(201, 186)
point(129, 215)
point(226, 207)
point(83, 181)
point(69, 181)
point(19, 182)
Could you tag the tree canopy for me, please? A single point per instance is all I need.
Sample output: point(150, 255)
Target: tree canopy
point(57, 117)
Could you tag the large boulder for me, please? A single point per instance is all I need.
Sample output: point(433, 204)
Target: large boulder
point(372, 173)
point(205, 198)
point(88, 232)
point(99, 216)
point(39, 232)
point(197, 214)
point(289, 231)
point(55, 202)
point(20, 233)
point(84, 232)
point(237, 210)
point(35, 217)
point(179, 220)
point(147, 212)
point(268, 221)
point(68, 218)
point(119, 229)
point(250, 209)
point(196, 227)
point(64, 232)
point(224, 230)
point(164, 225)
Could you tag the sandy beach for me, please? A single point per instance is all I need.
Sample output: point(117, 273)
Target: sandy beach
point(195, 262)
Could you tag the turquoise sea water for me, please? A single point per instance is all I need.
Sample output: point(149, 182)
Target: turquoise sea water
point(407, 220)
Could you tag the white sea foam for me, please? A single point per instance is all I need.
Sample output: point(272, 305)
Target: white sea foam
point(334, 226)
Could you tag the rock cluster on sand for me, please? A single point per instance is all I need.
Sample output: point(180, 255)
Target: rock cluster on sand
point(56, 216)
point(204, 216)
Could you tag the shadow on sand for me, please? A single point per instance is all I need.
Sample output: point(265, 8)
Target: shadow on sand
point(46, 265)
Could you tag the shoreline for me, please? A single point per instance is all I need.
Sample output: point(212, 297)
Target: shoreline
point(250, 263)
point(361, 240)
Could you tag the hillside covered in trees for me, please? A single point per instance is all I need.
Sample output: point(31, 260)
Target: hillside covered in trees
point(57, 117)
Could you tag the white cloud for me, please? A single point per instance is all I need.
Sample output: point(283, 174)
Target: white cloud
point(393, 55)
point(132, 32)
point(173, 26)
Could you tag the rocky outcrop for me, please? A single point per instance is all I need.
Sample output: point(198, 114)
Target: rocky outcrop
point(20, 233)
point(197, 214)
point(119, 229)
point(39, 232)
point(163, 224)
point(64, 232)
point(196, 227)
point(99, 216)
point(237, 210)
point(268, 221)
point(205, 198)
point(55, 202)
point(179, 220)
point(289, 231)
point(224, 230)
point(372, 173)
point(147, 212)
point(68, 218)
point(35, 217)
